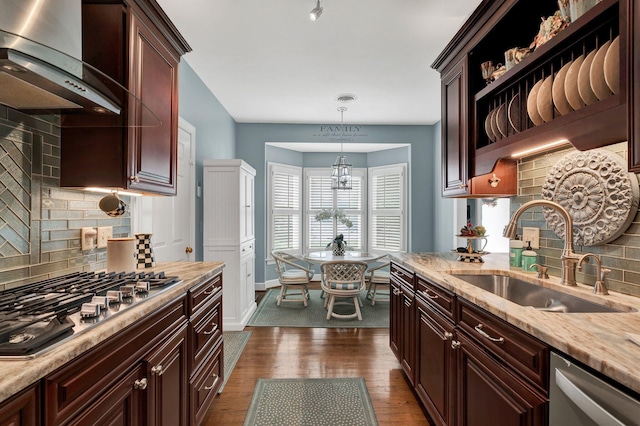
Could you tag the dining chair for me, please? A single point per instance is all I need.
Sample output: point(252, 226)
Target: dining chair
point(343, 279)
point(377, 276)
point(292, 277)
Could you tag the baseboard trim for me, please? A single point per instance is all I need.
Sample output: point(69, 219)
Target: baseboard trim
point(267, 285)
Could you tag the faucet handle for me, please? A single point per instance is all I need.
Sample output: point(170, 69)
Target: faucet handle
point(542, 271)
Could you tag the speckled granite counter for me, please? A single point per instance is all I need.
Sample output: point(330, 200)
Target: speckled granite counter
point(596, 339)
point(16, 375)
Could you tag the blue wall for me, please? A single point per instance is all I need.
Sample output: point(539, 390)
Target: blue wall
point(250, 140)
point(215, 130)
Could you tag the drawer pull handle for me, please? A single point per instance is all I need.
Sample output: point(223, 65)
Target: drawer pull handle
point(455, 344)
point(213, 330)
point(429, 295)
point(485, 335)
point(213, 290)
point(140, 384)
point(157, 370)
point(215, 379)
point(447, 335)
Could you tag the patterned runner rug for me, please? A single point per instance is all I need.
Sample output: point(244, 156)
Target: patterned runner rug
point(291, 314)
point(317, 402)
point(234, 343)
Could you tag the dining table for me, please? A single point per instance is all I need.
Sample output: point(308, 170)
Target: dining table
point(327, 255)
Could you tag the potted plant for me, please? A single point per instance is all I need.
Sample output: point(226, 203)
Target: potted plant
point(338, 244)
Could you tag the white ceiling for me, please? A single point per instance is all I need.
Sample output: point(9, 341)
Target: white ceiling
point(267, 62)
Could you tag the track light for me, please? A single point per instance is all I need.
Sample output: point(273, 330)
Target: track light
point(316, 11)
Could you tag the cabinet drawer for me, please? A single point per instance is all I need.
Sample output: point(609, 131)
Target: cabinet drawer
point(205, 331)
point(204, 292)
point(22, 409)
point(402, 276)
point(524, 353)
point(205, 384)
point(439, 298)
point(247, 249)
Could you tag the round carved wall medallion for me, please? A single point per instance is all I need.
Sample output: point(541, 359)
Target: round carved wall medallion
point(598, 192)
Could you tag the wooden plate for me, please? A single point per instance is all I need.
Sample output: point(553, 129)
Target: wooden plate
point(487, 126)
point(501, 120)
point(557, 91)
point(532, 105)
point(596, 73)
point(513, 112)
point(494, 124)
point(544, 100)
point(571, 84)
point(584, 80)
point(612, 66)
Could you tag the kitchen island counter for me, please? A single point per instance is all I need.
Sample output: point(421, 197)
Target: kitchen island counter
point(16, 375)
point(598, 340)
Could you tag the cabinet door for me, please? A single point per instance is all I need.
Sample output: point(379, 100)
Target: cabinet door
point(455, 132)
point(246, 206)
point(154, 80)
point(488, 394)
point(122, 405)
point(634, 86)
point(395, 317)
point(166, 369)
point(435, 365)
point(408, 324)
point(22, 409)
point(247, 280)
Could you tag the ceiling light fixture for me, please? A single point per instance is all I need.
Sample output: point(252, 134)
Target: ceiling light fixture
point(315, 12)
point(341, 170)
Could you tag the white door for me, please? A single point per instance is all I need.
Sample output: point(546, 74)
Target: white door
point(173, 218)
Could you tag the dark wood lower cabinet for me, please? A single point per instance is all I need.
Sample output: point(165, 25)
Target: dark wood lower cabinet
point(489, 394)
point(461, 377)
point(22, 409)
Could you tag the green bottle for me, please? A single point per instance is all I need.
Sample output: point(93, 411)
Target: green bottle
point(529, 257)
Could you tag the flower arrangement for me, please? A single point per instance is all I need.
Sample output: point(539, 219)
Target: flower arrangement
point(337, 214)
point(338, 241)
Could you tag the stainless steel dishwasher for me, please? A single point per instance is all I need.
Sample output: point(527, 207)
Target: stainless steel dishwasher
point(578, 398)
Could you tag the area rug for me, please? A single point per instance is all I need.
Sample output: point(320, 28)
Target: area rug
point(269, 314)
point(234, 343)
point(316, 402)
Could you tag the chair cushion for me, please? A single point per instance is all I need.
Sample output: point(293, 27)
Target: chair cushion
point(381, 277)
point(294, 273)
point(345, 286)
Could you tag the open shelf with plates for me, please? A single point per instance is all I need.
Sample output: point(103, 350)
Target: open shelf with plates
point(483, 123)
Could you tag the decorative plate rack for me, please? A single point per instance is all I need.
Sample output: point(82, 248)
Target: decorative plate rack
point(598, 192)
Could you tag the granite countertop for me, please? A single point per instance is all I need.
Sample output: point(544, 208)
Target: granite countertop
point(16, 375)
point(596, 339)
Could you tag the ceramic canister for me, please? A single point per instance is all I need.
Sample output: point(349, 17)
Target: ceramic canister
point(515, 253)
point(121, 255)
point(529, 257)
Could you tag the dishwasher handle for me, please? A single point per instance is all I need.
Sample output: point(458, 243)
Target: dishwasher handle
point(588, 406)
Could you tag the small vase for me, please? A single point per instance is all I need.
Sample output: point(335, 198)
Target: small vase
point(144, 251)
point(338, 249)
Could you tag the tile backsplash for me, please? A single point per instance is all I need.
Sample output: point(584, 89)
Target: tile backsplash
point(621, 256)
point(40, 223)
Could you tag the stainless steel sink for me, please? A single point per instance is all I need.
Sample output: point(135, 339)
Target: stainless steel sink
point(527, 294)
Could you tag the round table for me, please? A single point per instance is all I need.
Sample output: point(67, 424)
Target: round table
point(327, 255)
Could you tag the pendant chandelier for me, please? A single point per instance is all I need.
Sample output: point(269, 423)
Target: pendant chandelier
point(341, 170)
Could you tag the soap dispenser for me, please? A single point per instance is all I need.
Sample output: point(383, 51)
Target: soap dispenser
point(529, 257)
point(515, 253)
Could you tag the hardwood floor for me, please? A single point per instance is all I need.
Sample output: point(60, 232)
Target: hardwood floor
point(274, 352)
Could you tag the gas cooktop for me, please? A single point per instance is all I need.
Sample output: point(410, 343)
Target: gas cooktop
point(36, 317)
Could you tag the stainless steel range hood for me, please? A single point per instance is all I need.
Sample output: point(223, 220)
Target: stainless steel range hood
point(40, 69)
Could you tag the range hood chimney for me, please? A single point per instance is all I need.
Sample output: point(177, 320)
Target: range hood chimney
point(40, 69)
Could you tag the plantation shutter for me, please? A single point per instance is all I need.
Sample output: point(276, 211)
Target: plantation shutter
point(286, 201)
point(387, 203)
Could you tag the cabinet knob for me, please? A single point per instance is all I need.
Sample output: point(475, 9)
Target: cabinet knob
point(188, 250)
point(140, 384)
point(157, 370)
point(462, 186)
point(448, 335)
point(455, 344)
point(134, 178)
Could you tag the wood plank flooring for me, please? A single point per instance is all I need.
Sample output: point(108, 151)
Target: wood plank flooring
point(274, 352)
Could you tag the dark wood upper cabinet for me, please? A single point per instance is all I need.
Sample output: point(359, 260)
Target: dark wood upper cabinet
point(468, 139)
point(136, 45)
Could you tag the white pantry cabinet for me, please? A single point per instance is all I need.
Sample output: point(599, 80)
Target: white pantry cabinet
point(229, 234)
